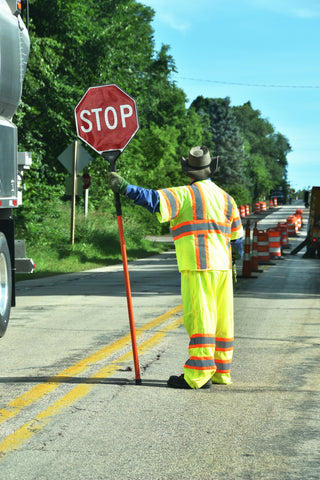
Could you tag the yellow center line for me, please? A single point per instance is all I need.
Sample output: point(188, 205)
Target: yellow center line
point(23, 434)
point(42, 389)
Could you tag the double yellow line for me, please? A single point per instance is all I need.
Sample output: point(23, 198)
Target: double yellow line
point(20, 436)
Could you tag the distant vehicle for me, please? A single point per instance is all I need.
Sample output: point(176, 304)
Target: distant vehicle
point(14, 52)
point(313, 244)
point(279, 195)
point(312, 241)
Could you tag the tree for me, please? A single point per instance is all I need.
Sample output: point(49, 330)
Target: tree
point(228, 144)
point(75, 45)
point(266, 164)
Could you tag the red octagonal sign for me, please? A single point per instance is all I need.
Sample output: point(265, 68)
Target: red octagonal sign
point(106, 118)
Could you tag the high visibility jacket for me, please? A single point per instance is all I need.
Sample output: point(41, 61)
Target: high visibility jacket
point(203, 221)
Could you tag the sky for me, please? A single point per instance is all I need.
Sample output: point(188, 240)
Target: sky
point(263, 51)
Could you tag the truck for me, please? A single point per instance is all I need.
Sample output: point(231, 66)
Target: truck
point(14, 53)
point(279, 195)
point(312, 240)
point(313, 235)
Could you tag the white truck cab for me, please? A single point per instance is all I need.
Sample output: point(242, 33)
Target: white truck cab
point(14, 52)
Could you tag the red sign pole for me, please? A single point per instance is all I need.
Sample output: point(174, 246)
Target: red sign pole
point(112, 157)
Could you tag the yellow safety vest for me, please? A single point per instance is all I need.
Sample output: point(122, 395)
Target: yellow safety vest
point(203, 220)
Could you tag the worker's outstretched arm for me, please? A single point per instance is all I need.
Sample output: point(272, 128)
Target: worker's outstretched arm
point(141, 196)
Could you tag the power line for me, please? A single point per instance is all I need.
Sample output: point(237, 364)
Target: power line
point(239, 84)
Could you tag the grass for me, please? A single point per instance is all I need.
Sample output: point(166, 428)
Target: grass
point(96, 243)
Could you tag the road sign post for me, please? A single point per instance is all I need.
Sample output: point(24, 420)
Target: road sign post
point(74, 158)
point(74, 190)
point(106, 119)
point(86, 184)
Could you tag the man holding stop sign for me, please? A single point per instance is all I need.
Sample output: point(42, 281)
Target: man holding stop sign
point(106, 119)
point(204, 220)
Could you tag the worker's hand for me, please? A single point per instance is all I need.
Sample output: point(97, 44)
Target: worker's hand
point(117, 183)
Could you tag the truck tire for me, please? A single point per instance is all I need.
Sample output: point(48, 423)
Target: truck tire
point(5, 284)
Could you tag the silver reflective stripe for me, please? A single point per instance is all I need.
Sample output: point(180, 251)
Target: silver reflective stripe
point(230, 208)
point(172, 201)
point(200, 341)
point(223, 344)
point(200, 364)
point(199, 205)
point(236, 224)
point(203, 227)
point(202, 252)
point(223, 366)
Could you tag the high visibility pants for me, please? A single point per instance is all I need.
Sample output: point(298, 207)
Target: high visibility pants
point(207, 298)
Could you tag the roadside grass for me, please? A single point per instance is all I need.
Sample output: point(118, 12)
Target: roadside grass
point(96, 243)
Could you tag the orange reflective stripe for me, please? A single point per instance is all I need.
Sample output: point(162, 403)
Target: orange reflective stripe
point(236, 224)
point(168, 205)
point(200, 363)
point(172, 202)
point(206, 240)
point(203, 200)
point(228, 207)
point(224, 344)
point(223, 366)
point(225, 204)
point(173, 193)
point(196, 246)
point(193, 203)
point(202, 230)
point(202, 340)
point(201, 227)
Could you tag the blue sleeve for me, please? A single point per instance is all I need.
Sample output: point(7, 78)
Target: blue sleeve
point(144, 197)
point(238, 245)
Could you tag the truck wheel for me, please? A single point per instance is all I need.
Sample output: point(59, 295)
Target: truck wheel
point(5, 284)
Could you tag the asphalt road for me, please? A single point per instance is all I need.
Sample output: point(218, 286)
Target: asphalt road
point(70, 407)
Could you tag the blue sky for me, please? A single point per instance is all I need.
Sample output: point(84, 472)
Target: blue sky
point(263, 51)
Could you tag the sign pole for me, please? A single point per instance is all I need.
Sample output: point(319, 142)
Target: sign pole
point(106, 119)
point(74, 190)
point(86, 201)
point(112, 157)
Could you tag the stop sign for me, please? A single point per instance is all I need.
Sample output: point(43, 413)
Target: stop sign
point(106, 118)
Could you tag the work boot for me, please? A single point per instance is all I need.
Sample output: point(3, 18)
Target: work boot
point(179, 382)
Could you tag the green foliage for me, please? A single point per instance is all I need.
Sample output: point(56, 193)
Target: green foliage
point(75, 45)
point(266, 163)
point(228, 143)
point(96, 241)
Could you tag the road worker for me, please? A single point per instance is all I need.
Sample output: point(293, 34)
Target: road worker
point(204, 221)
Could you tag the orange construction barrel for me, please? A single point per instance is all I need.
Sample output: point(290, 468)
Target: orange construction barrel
point(292, 226)
point(284, 235)
point(263, 247)
point(274, 235)
point(263, 207)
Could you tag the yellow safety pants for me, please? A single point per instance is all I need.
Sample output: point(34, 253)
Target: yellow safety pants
point(207, 298)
